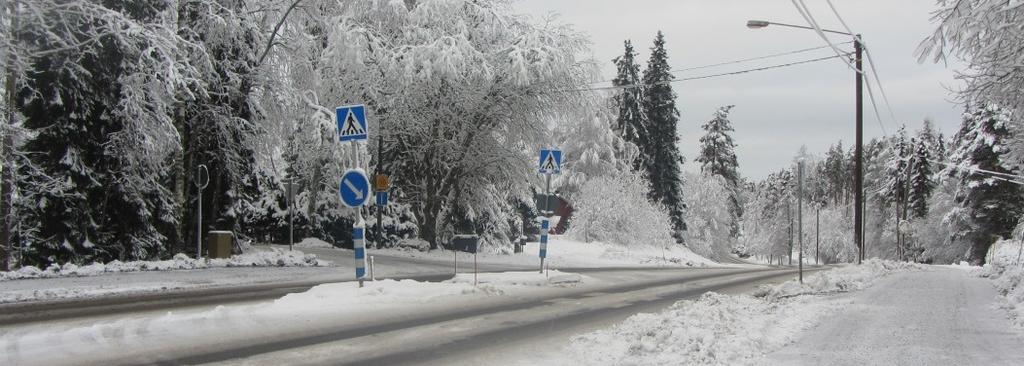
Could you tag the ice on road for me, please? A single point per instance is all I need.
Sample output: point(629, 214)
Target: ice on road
point(940, 317)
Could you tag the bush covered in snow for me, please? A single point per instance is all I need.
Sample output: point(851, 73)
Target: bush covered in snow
point(263, 258)
point(708, 217)
point(615, 209)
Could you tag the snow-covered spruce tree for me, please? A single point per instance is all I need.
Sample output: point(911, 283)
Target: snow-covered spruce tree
point(836, 169)
point(921, 184)
point(993, 205)
point(665, 168)
point(631, 123)
point(96, 101)
point(896, 168)
point(218, 117)
point(718, 158)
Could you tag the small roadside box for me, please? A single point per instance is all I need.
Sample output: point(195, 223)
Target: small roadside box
point(219, 244)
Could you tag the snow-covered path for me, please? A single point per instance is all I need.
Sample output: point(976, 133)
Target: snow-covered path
point(940, 317)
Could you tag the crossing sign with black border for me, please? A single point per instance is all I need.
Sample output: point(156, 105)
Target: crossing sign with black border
point(352, 123)
point(550, 161)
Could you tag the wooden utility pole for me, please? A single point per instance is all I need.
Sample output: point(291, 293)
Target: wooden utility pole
point(858, 154)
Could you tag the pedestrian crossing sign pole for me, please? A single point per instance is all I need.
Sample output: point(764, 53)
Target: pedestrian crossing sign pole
point(550, 163)
point(354, 188)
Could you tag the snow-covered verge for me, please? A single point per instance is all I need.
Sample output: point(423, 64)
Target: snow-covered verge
point(721, 329)
point(531, 278)
point(567, 253)
point(324, 307)
point(257, 258)
point(1006, 270)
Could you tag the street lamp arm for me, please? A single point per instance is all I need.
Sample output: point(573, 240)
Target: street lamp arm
point(764, 23)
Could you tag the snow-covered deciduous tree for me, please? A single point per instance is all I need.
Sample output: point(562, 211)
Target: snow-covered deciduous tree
point(460, 91)
point(590, 149)
point(935, 232)
point(987, 35)
point(708, 216)
point(615, 209)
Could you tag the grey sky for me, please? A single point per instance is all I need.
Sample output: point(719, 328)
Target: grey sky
point(777, 110)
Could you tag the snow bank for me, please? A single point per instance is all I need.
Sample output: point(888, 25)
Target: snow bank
point(313, 243)
point(848, 278)
point(531, 278)
point(564, 251)
point(724, 329)
point(261, 258)
point(1007, 275)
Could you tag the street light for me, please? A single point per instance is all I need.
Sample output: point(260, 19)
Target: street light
point(858, 152)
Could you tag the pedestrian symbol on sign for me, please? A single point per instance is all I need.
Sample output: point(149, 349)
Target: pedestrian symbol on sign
point(550, 162)
point(351, 123)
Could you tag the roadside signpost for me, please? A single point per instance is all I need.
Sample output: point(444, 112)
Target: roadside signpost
point(290, 187)
point(202, 180)
point(354, 188)
point(550, 163)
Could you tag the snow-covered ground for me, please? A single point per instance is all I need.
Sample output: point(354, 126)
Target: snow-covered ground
point(725, 329)
point(1006, 270)
point(255, 258)
point(312, 261)
point(328, 306)
point(566, 253)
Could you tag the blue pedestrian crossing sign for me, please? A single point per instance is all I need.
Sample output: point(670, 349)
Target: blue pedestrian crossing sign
point(352, 123)
point(550, 161)
point(354, 188)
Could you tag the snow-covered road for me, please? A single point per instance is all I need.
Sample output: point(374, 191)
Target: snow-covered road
point(940, 317)
point(410, 328)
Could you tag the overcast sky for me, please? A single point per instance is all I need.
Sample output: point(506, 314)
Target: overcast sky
point(777, 110)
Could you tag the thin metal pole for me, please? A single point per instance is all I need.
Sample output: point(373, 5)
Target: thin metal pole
point(789, 216)
point(817, 233)
point(291, 213)
point(800, 215)
point(546, 224)
point(199, 227)
point(380, 209)
point(858, 153)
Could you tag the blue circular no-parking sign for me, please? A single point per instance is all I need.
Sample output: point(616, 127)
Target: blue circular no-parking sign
point(354, 188)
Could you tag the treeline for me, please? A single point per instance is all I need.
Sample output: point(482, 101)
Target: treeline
point(927, 198)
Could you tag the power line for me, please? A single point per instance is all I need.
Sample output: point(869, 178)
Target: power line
point(871, 62)
point(997, 175)
point(630, 86)
point(754, 58)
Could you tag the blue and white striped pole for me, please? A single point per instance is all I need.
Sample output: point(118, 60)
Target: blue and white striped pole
point(543, 241)
point(359, 247)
